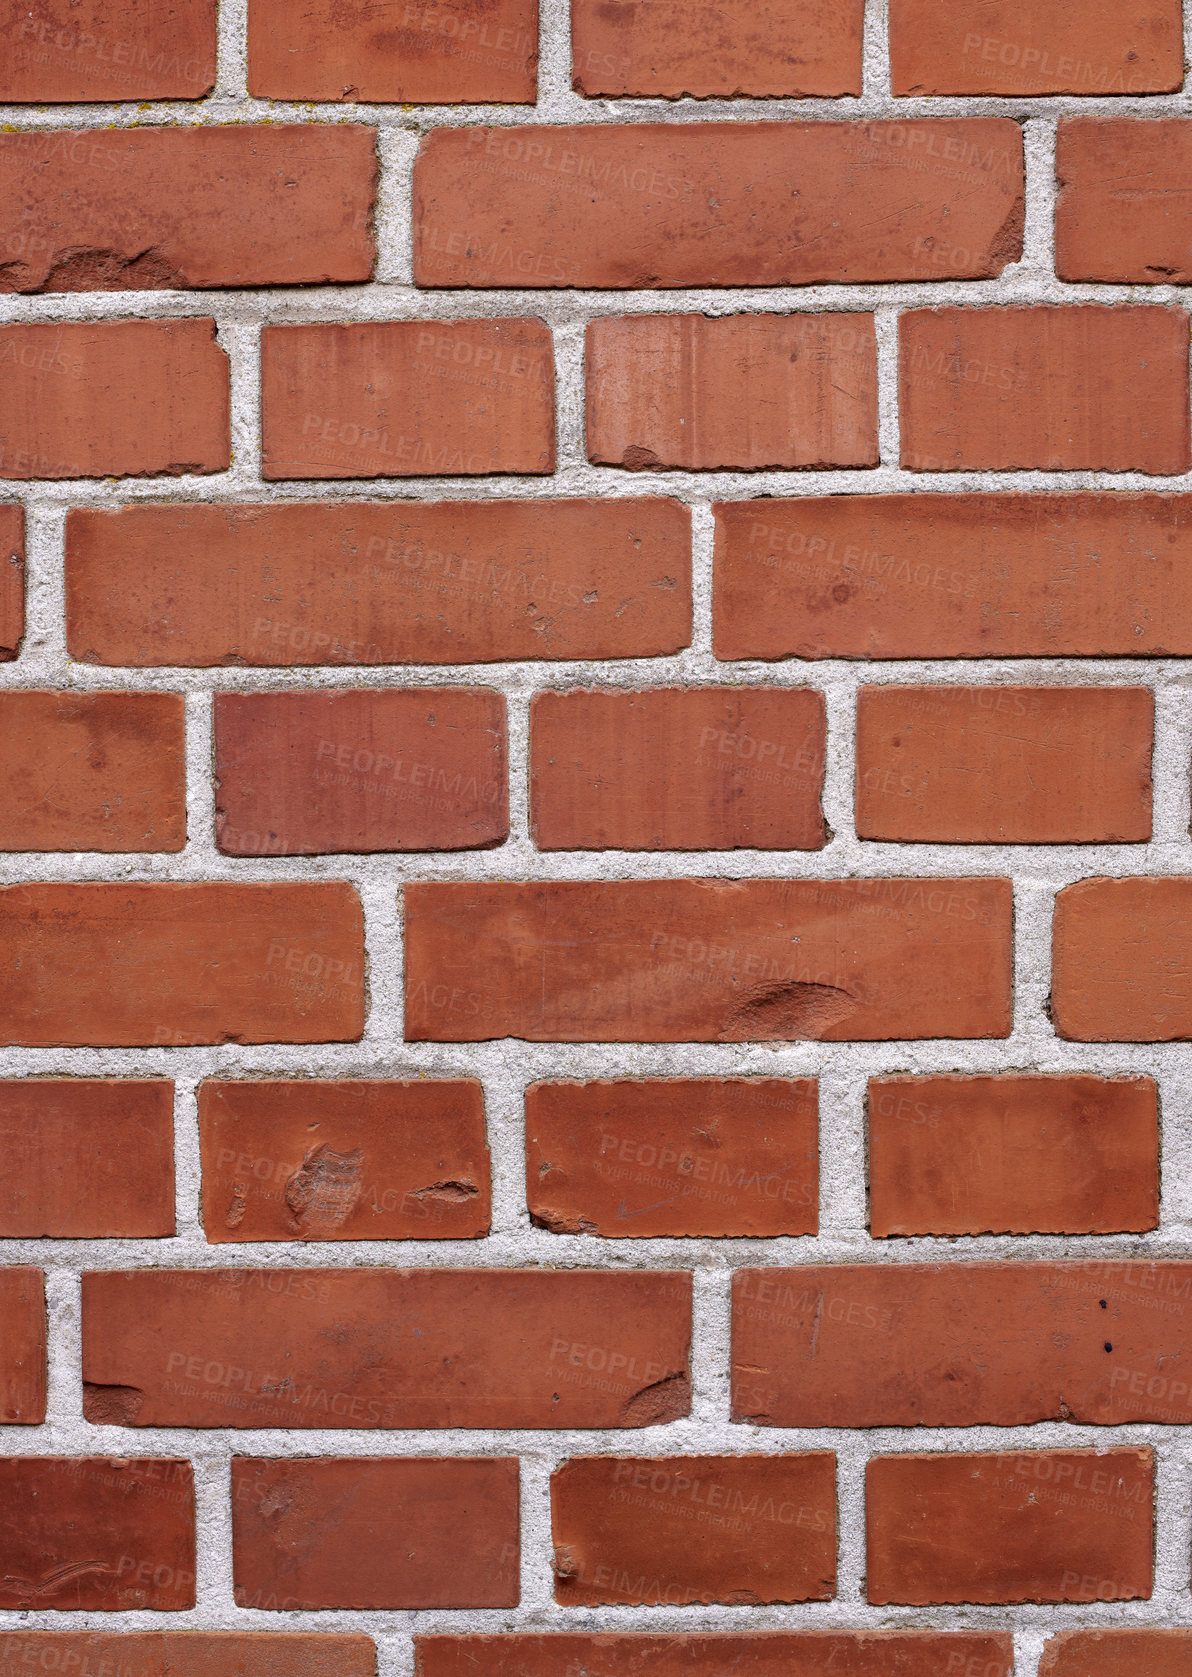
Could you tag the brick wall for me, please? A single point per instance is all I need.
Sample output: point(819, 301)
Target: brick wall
point(594, 798)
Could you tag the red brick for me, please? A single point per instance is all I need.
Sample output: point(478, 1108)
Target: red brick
point(674, 1530)
point(773, 50)
point(92, 771)
point(1121, 213)
point(717, 1157)
point(460, 51)
point(386, 1348)
point(86, 1158)
point(84, 51)
point(96, 1533)
point(773, 1653)
point(745, 391)
point(179, 965)
point(151, 209)
point(1119, 967)
point(645, 206)
point(1093, 387)
point(299, 774)
point(954, 576)
point(961, 1344)
point(350, 1160)
point(1005, 765)
point(708, 960)
point(1026, 48)
point(1114, 1653)
point(1039, 1525)
point(190, 1653)
point(677, 768)
point(12, 579)
point(1013, 1155)
point(314, 1534)
point(22, 1349)
point(113, 398)
point(407, 398)
point(394, 582)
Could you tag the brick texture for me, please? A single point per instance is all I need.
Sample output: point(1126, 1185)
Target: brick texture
point(316, 1534)
point(414, 1348)
point(1053, 1525)
point(92, 771)
point(1013, 1155)
point(88, 1158)
point(715, 959)
point(632, 1160)
point(23, 1349)
point(466, 582)
point(1004, 765)
point(407, 399)
point(595, 787)
point(1046, 389)
point(707, 204)
point(677, 769)
point(177, 209)
point(747, 392)
point(301, 773)
point(308, 1160)
point(100, 1533)
point(683, 1529)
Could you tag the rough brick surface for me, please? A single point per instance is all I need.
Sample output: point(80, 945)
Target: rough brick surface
point(390, 1348)
point(1016, 1155)
point(80, 51)
point(725, 48)
point(708, 204)
point(12, 580)
point(1118, 973)
point(106, 1534)
point(773, 1653)
point(954, 576)
point(1073, 1525)
point(708, 960)
point(406, 398)
point(22, 1347)
point(465, 582)
point(176, 209)
point(1027, 47)
point(681, 1529)
point(92, 771)
point(484, 51)
point(87, 1158)
point(1121, 214)
point(301, 773)
point(192, 1653)
point(113, 398)
point(633, 1160)
point(1122, 1653)
point(313, 1534)
point(747, 392)
point(677, 769)
point(1048, 389)
point(955, 1345)
point(151, 965)
point(1008, 765)
point(310, 1160)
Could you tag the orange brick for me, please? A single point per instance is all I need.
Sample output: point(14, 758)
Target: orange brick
point(22, 1349)
point(83, 51)
point(92, 771)
point(1013, 1155)
point(745, 391)
point(1043, 1525)
point(298, 774)
point(1118, 967)
point(351, 1160)
point(634, 1160)
point(767, 1653)
point(407, 398)
point(1004, 765)
point(678, 768)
